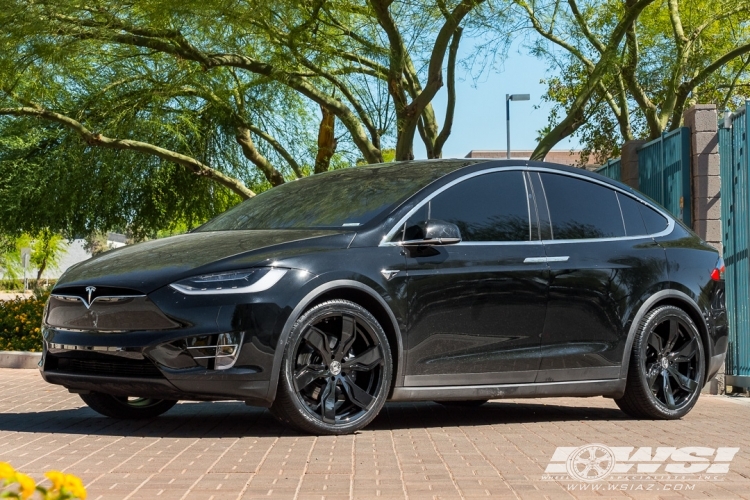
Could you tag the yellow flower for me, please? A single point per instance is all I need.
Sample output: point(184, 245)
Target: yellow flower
point(26, 485)
point(6, 471)
point(75, 486)
point(57, 478)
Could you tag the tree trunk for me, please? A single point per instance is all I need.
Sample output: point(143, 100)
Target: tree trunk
point(326, 141)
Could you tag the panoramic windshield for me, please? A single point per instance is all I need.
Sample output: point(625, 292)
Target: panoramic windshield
point(343, 198)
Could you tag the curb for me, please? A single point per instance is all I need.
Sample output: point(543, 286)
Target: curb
point(19, 359)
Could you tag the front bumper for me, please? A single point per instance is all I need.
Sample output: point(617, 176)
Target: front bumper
point(163, 366)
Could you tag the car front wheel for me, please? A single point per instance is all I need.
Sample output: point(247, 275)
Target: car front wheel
point(125, 407)
point(336, 370)
point(667, 366)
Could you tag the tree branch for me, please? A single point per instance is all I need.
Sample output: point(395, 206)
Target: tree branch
point(98, 140)
point(451, 104)
point(684, 90)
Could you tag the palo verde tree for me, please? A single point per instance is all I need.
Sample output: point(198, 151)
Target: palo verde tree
point(674, 52)
point(143, 113)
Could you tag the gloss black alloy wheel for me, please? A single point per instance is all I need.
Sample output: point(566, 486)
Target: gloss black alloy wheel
point(336, 371)
point(667, 366)
point(126, 407)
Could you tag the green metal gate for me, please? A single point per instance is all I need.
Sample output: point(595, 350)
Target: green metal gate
point(611, 169)
point(664, 172)
point(734, 146)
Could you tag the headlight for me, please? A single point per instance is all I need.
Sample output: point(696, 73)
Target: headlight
point(247, 281)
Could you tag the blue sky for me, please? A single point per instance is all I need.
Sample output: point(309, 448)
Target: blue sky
point(479, 121)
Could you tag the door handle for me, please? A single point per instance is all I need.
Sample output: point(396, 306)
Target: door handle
point(539, 260)
point(563, 258)
point(535, 260)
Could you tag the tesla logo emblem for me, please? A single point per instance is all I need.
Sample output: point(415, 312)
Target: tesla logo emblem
point(90, 290)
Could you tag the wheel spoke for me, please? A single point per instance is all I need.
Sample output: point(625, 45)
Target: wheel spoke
point(686, 353)
point(667, 389)
point(355, 394)
point(328, 402)
point(685, 383)
point(365, 361)
point(654, 340)
point(674, 330)
point(319, 341)
point(348, 336)
point(307, 375)
point(653, 374)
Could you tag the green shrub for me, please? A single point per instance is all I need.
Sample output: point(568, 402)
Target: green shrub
point(21, 323)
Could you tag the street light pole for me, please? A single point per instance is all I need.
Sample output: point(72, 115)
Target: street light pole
point(508, 98)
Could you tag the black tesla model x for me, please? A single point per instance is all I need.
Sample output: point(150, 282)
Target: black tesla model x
point(454, 281)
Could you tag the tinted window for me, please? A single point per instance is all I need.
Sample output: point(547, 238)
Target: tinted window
point(488, 207)
point(580, 209)
point(655, 222)
point(349, 197)
point(631, 214)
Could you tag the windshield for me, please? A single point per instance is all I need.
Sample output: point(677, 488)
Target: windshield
point(343, 198)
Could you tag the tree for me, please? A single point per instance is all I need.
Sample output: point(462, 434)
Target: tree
point(47, 248)
point(46, 251)
point(673, 52)
point(161, 108)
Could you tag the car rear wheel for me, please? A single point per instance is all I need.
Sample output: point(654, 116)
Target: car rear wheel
point(667, 366)
point(126, 407)
point(336, 370)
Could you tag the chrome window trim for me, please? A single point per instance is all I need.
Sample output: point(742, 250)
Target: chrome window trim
point(483, 243)
point(668, 230)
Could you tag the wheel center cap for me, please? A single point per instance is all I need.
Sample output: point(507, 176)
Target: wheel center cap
point(335, 367)
point(664, 363)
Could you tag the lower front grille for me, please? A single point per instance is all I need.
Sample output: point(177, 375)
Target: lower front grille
point(129, 368)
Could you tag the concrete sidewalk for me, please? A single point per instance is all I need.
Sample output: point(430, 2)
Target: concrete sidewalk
point(501, 450)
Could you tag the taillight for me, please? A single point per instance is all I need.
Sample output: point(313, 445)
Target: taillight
point(718, 272)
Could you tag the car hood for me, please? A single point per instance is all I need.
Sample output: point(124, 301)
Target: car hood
point(150, 265)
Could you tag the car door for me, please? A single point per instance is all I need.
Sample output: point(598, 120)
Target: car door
point(476, 309)
point(601, 264)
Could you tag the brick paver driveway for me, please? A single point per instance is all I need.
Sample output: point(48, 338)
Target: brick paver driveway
point(230, 451)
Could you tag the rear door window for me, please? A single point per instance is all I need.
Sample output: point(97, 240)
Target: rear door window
point(580, 209)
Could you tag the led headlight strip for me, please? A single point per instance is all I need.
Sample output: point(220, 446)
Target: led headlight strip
point(231, 282)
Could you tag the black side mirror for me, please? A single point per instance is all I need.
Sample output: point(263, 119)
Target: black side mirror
point(432, 232)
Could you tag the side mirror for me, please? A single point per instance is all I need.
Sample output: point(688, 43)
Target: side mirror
point(432, 232)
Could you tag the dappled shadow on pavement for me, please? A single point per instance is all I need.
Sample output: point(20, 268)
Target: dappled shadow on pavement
point(234, 419)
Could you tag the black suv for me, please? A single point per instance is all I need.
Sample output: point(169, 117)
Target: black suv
point(456, 281)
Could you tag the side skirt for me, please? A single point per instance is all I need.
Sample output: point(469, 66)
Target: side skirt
point(613, 388)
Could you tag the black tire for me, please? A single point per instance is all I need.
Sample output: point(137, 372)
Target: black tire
point(667, 366)
point(469, 403)
point(126, 408)
point(318, 396)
